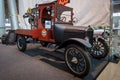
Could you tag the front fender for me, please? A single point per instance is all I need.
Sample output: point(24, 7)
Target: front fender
point(77, 41)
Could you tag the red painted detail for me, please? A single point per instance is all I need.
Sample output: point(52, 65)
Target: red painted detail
point(63, 2)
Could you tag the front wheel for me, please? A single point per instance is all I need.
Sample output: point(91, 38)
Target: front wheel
point(77, 60)
point(21, 43)
point(100, 48)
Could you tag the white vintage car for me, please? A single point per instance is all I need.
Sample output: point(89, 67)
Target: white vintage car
point(102, 32)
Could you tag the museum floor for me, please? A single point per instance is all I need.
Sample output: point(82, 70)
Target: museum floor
point(15, 65)
point(111, 72)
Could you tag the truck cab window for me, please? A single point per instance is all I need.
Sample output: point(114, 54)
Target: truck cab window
point(46, 14)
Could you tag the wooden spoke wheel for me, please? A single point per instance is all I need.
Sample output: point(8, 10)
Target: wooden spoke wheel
point(100, 48)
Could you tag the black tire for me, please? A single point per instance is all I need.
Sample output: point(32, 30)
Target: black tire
point(21, 43)
point(77, 60)
point(44, 44)
point(4, 39)
point(11, 37)
point(3, 42)
point(100, 48)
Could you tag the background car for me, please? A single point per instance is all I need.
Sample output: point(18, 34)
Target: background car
point(99, 31)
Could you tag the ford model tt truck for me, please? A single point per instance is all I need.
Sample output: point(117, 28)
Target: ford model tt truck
point(53, 23)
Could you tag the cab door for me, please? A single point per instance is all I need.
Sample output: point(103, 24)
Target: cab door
point(46, 21)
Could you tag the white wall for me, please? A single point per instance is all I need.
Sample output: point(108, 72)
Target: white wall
point(87, 12)
point(91, 12)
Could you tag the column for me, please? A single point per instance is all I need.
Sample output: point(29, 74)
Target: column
point(13, 14)
point(2, 18)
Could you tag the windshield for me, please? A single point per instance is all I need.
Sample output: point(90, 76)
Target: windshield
point(64, 14)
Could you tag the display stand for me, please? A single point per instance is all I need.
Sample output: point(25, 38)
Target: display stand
point(56, 59)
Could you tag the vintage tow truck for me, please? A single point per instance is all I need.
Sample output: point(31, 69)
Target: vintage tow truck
point(53, 23)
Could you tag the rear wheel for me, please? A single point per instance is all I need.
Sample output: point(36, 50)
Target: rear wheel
point(21, 43)
point(77, 60)
point(100, 48)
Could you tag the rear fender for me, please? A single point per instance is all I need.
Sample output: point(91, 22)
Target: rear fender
point(82, 43)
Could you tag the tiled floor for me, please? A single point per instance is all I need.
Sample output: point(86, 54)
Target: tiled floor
point(16, 65)
point(111, 72)
point(9, 55)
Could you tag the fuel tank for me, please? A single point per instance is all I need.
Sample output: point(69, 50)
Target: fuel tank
point(63, 32)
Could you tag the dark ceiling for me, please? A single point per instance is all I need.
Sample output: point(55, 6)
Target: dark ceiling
point(115, 2)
